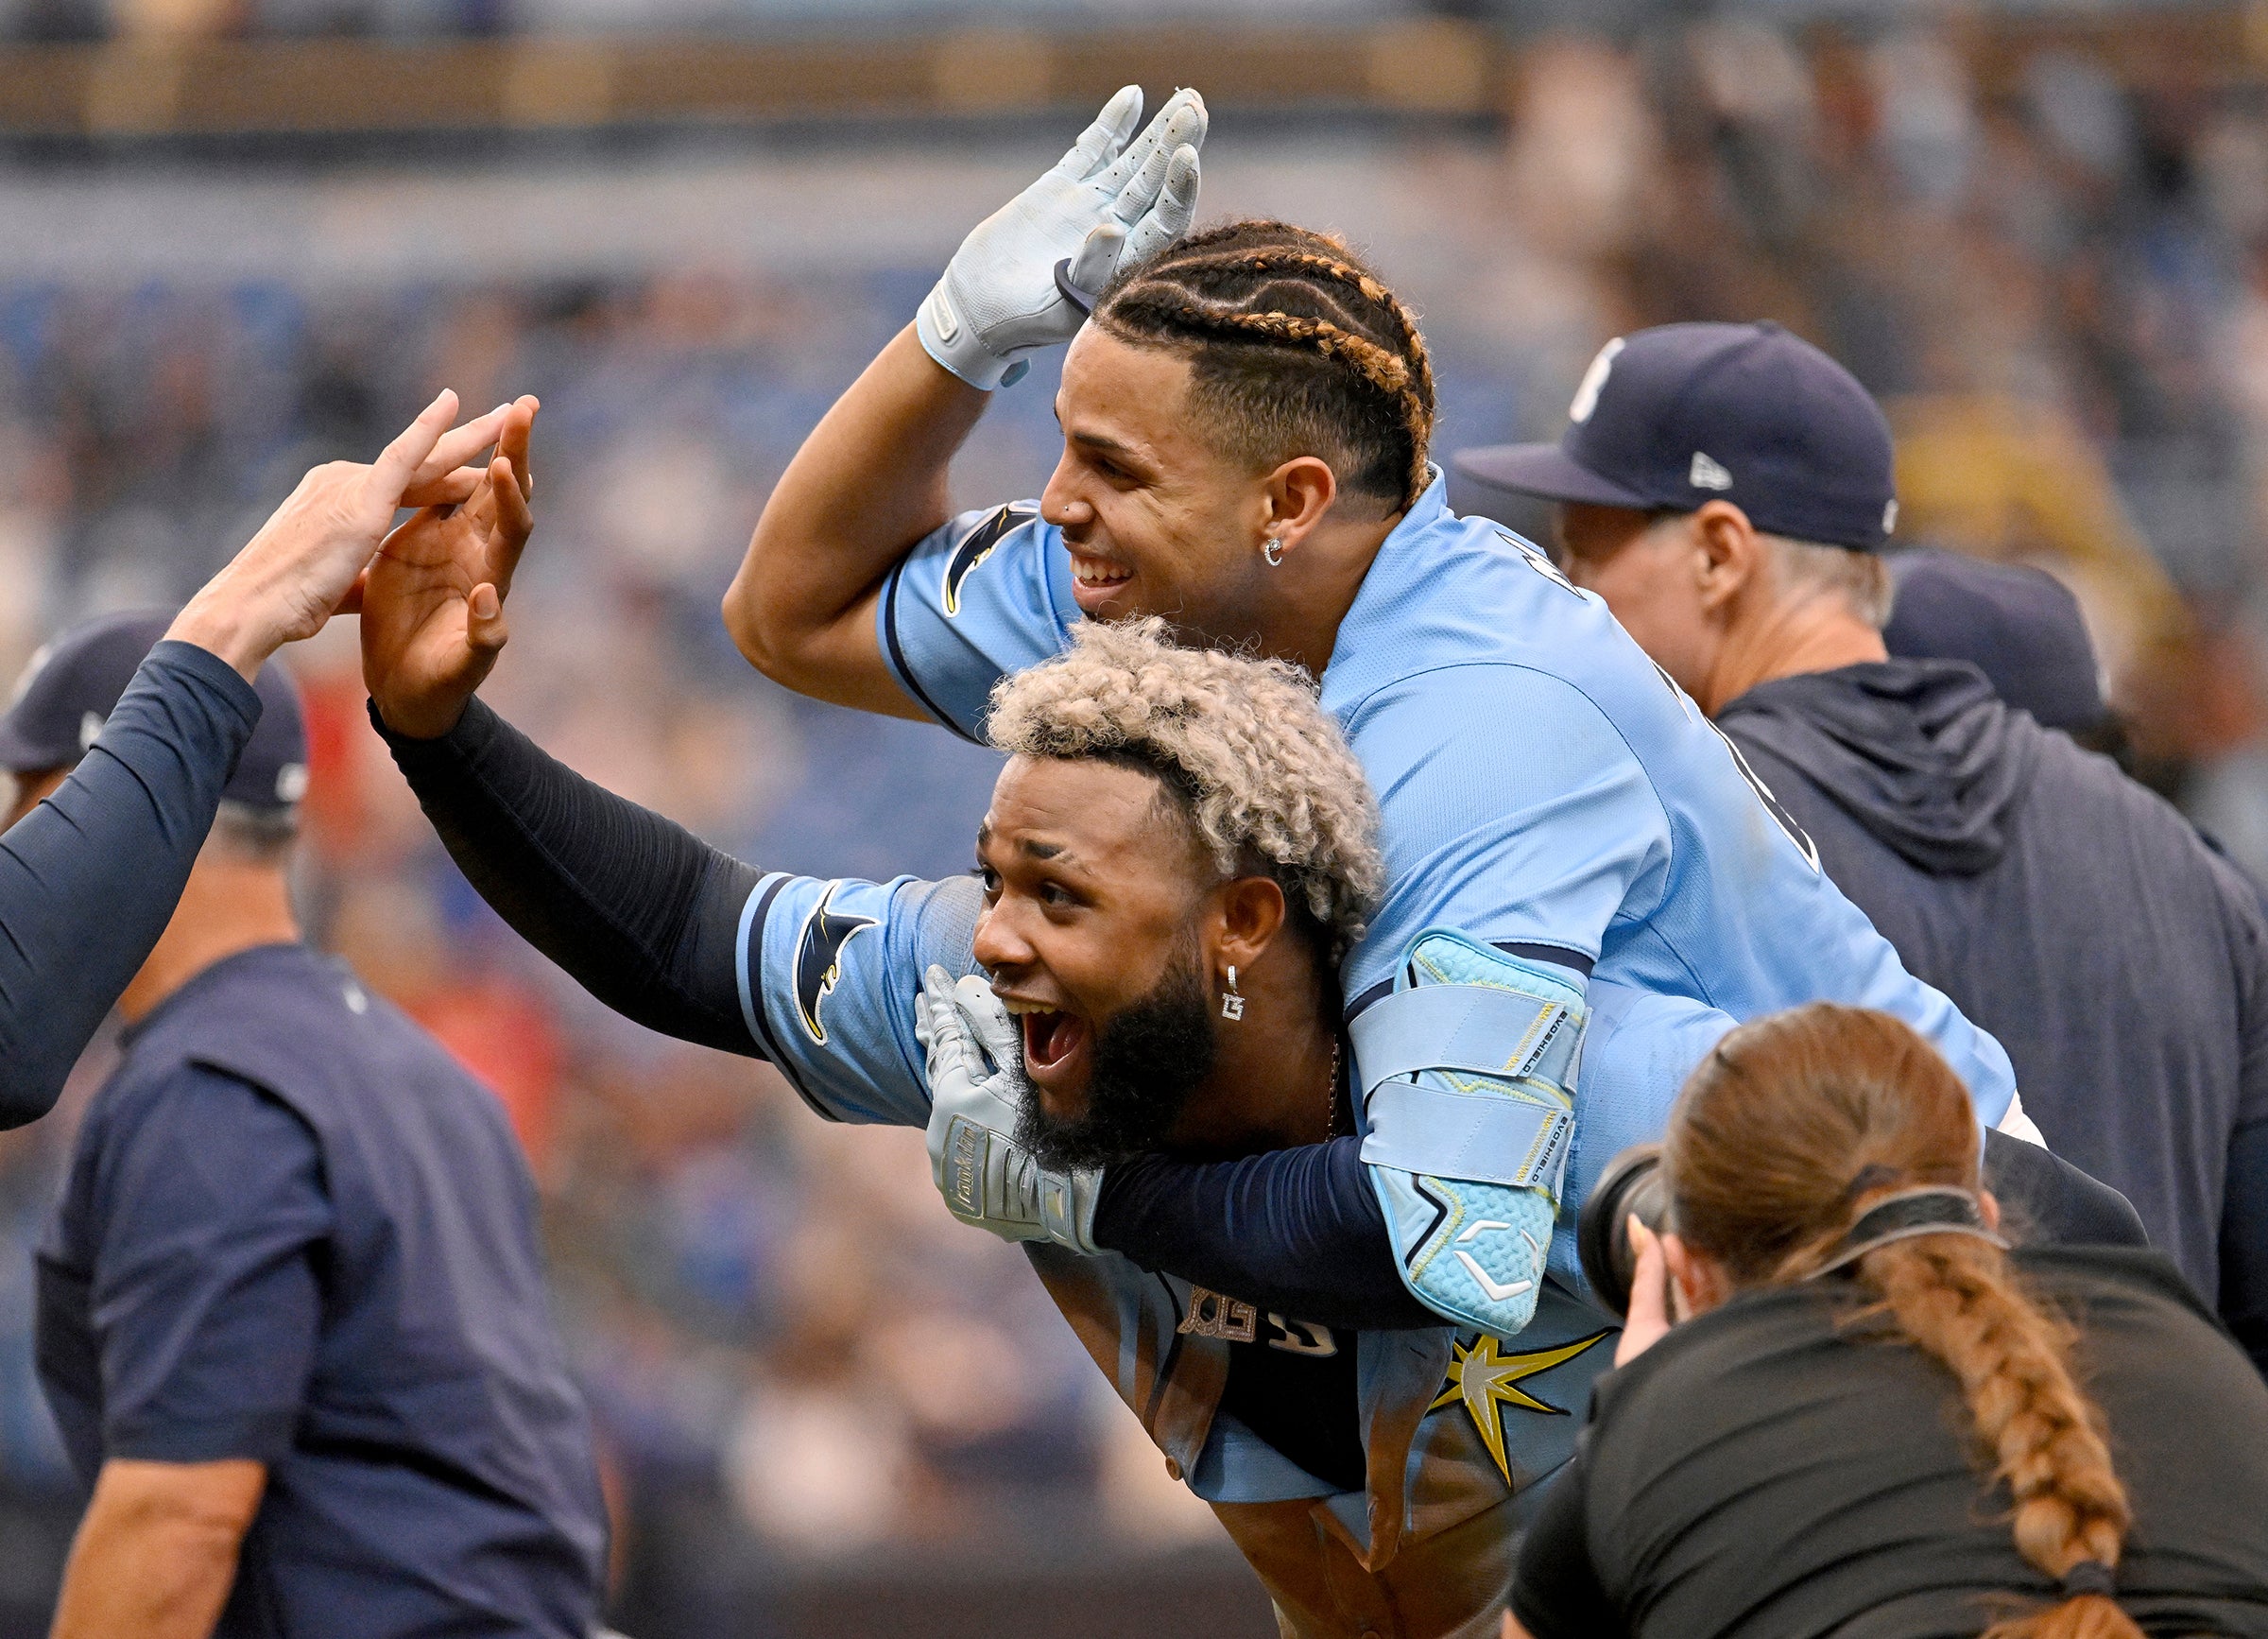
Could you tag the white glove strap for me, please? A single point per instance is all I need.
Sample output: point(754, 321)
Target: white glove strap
point(1067, 1208)
point(952, 341)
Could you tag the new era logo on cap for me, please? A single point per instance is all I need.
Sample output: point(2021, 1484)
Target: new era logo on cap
point(1706, 475)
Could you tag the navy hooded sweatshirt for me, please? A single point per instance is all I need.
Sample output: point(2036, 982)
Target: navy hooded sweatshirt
point(2076, 916)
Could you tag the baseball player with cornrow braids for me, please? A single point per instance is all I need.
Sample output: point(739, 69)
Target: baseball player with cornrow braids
point(1246, 415)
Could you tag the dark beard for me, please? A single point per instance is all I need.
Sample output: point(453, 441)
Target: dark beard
point(1148, 1057)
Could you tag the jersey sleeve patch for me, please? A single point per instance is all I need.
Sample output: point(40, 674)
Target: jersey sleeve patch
point(831, 972)
point(818, 959)
point(970, 554)
point(982, 598)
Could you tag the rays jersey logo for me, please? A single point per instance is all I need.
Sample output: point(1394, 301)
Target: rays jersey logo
point(1484, 1380)
point(819, 957)
point(978, 547)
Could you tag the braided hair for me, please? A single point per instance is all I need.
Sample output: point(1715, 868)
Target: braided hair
point(1790, 1130)
point(1296, 349)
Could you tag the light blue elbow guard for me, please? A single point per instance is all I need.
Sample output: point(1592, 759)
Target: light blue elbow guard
point(1468, 1075)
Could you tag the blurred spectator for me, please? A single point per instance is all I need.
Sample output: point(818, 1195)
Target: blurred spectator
point(2021, 627)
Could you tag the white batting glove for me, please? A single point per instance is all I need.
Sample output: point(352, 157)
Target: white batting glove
point(1107, 204)
point(977, 1088)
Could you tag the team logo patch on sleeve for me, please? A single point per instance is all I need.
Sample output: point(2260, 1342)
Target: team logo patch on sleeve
point(819, 957)
point(978, 547)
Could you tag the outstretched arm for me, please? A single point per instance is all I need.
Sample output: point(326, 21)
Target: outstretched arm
point(667, 930)
point(637, 909)
point(89, 879)
point(871, 482)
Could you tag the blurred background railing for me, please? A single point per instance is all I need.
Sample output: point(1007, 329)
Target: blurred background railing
point(238, 239)
point(164, 84)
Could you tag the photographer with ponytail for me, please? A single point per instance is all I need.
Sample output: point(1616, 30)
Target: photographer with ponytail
point(1875, 1418)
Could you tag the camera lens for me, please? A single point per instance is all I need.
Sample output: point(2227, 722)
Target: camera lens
point(1631, 1187)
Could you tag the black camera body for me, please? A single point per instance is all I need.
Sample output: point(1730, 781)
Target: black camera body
point(1631, 1187)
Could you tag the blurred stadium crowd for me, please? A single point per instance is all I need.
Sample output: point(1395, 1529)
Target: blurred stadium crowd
point(2055, 276)
point(75, 20)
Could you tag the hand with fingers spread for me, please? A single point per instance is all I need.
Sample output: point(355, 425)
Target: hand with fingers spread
point(1107, 204)
point(433, 601)
point(293, 575)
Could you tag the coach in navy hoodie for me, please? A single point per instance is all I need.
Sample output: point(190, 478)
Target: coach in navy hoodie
point(1719, 502)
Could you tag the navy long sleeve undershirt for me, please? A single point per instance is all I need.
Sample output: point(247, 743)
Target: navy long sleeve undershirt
point(637, 909)
point(645, 916)
point(90, 878)
point(1296, 1231)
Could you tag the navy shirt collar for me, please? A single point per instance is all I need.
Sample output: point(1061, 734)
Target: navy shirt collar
point(287, 952)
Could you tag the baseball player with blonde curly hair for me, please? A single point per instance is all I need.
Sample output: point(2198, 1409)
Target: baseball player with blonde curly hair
point(1170, 821)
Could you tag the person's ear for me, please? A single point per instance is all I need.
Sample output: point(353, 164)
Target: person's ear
point(1727, 554)
point(1988, 1208)
point(1701, 1281)
point(1296, 496)
point(1249, 914)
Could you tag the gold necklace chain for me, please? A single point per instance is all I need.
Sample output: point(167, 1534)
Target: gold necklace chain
point(1331, 1093)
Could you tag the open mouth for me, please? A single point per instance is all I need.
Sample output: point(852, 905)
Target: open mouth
point(1050, 1039)
point(1054, 1050)
point(1093, 579)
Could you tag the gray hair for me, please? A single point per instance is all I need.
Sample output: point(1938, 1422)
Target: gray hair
point(254, 835)
point(1861, 579)
point(1262, 771)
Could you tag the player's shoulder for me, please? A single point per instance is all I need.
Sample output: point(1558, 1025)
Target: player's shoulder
point(1454, 595)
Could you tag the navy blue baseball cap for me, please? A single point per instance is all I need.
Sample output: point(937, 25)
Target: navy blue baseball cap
point(71, 685)
point(2020, 626)
point(1683, 414)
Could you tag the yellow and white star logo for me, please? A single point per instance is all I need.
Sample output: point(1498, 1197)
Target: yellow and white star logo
point(1488, 1381)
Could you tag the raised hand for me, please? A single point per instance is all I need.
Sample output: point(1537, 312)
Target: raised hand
point(432, 601)
point(290, 576)
point(1108, 203)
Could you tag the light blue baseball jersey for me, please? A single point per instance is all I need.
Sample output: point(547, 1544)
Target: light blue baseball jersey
point(1454, 1422)
point(1542, 783)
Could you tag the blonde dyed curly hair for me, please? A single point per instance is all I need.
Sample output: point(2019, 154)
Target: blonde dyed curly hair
point(1265, 775)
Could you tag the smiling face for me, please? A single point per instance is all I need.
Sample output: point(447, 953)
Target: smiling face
point(1096, 922)
point(1159, 520)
